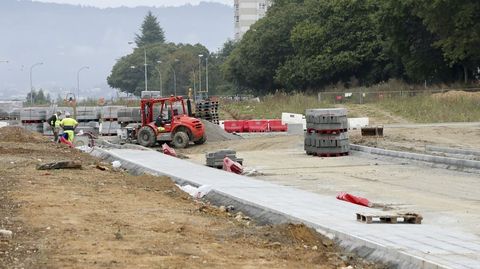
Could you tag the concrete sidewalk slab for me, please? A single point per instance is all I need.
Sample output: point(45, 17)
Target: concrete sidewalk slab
point(403, 246)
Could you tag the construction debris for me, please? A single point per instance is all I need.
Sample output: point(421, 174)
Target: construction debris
point(168, 150)
point(6, 234)
point(215, 159)
point(231, 166)
point(376, 131)
point(60, 165)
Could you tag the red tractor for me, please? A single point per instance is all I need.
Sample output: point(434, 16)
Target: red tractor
point(172, 123)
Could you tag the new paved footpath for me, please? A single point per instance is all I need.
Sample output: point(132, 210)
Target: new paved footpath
point(401, 245)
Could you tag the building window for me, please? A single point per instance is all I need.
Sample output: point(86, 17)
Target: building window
point(261, 5)
point(237, 18)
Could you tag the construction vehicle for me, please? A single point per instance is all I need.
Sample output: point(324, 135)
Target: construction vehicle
point(173, 124)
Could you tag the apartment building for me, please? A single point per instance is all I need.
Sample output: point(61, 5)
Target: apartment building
point(247, 12)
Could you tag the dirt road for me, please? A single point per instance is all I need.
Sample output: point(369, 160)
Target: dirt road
point(90, 218)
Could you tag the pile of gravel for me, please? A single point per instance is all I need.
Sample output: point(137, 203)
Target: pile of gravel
point(215, 133)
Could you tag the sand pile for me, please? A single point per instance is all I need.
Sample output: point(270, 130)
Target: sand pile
point(215, 133)
point(457, 95)
point(19, 134)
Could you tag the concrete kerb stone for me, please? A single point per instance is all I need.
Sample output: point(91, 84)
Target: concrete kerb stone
point(394, 258)
point(470, 152)
point(107, 144)
point(137, 169)
point(459, 163)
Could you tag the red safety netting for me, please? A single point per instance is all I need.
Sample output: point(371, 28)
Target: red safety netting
point(168, 150)
point(231, 166)
point(353, 199)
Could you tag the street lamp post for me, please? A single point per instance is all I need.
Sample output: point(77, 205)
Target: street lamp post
point(31, 81)
point(175, 78)
point(146, 69)
point(200, 73)
point(146, 74)
point(194, 85)
point(160, 75)
point(206, 70)
point(78, 81)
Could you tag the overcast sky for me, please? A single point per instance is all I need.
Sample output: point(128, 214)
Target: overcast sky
point(134, 3)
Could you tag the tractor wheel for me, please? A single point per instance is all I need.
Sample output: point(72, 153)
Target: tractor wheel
point(180, 140)
point(146, 137)
point(201, 141)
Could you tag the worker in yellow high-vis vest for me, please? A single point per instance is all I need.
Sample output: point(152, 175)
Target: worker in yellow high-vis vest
point(69, 124)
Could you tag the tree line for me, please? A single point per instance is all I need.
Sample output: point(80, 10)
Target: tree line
point(170, 66)
point(303, 45)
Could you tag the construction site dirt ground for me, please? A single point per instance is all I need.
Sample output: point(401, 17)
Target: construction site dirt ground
point(445, 197)
point(91, 218)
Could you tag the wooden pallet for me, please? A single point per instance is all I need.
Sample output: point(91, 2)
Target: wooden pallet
point(392, 218)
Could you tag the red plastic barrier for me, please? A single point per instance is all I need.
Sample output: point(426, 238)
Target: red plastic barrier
point(168, 150)
point(353, 199)
point(234, 126)
point(256, 126)
point(231, 166)
point(277, 126)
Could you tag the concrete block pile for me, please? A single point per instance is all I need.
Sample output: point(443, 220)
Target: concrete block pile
point(215, 159)
point(129, 115)
point(33, 118)
point(88, 118)
point(109, 120)
point(151, 94)
point(326, 134)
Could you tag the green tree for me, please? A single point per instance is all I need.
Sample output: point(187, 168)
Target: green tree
point(410, 45)
point(253, 63)
point(151, 32)
point(39, 97)
point(336, 40)
point(128, 74)
point(457, 24)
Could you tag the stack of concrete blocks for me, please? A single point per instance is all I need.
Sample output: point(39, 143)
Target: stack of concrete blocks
point(215, 159)
point(326, 134)
point(109, 118)
point(4, 115)
point(88, 118)
point(150, 94)
point(128, 115)
point(33, 118)
point(15, 114)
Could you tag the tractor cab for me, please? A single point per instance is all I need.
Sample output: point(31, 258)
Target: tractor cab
point(167, 120)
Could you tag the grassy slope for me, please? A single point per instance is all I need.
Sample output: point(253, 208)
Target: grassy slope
point(448, 107)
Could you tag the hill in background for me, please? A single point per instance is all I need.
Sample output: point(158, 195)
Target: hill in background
point(67, 37)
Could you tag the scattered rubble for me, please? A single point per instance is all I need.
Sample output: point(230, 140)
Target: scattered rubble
point(60, 165)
